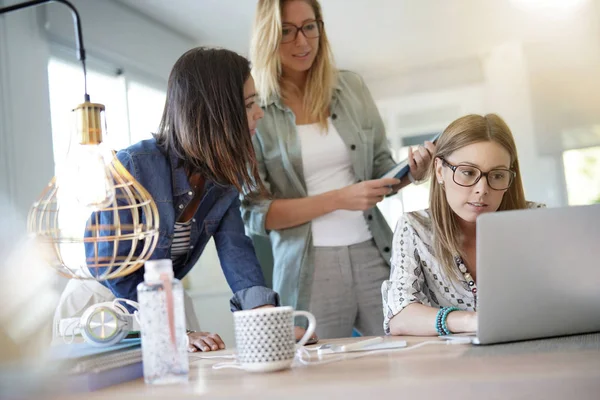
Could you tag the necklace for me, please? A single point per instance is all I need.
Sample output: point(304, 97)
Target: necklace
point(468, 278)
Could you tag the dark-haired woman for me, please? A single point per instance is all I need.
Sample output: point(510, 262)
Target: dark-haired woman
point(194, 168)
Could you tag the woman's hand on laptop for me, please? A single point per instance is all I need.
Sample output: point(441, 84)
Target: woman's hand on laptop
point(420, 320)
point(462, 321)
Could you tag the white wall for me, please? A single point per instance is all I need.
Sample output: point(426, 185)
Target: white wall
point(25, 136)
point(498, 83)
point(508, 92)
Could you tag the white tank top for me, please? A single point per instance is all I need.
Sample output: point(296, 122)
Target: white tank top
point(327, 166)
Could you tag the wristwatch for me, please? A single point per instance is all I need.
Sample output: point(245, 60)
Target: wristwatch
point(188, 331)
point(413, 180)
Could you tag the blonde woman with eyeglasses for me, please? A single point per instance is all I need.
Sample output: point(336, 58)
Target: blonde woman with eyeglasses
point(432, 288)
point(321, 148)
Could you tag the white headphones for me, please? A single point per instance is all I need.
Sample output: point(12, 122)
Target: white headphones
point(103, 324)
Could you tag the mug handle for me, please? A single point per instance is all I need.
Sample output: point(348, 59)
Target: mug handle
point(312, 324)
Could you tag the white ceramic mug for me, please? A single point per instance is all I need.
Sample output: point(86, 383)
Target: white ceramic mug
point(265, 339)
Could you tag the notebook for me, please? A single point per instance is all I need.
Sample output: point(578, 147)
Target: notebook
point(401, 169)
point(97, 380)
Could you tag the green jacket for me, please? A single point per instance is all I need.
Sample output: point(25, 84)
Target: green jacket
point(278, 151)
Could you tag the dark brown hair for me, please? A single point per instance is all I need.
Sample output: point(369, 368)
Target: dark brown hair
point(204, 123)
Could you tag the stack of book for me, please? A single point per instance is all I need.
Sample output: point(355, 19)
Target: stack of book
point(84, 368)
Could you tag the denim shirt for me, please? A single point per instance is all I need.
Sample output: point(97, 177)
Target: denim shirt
point(218, 216)
point(279, 154)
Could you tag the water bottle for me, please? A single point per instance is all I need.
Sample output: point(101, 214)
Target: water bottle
point(162, 325)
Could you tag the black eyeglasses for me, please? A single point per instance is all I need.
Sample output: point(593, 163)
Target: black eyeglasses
point(468, 175)
point(310, 30)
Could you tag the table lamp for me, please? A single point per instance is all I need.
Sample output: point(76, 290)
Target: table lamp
point(95, 185)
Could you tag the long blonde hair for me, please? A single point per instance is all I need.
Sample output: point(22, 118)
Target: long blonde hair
point(460, 133)
point(266, 62)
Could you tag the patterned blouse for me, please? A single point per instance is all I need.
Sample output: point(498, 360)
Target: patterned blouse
point(417, 276)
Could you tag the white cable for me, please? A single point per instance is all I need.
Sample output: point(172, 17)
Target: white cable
point(218, 365)
point(302, 352)
point(209, 357)
point(124, 311)
point(122, 308)
point(73, 323)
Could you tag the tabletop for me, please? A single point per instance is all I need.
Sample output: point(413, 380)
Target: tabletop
point(567, 367)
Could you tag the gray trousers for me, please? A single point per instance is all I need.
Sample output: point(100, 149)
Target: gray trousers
point(346, 290)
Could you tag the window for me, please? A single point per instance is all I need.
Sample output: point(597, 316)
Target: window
point(133, 109)
point(145, 110)
point(133, 112)
point(582, 175)
point(411, 197)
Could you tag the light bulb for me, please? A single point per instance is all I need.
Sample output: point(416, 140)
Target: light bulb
point(84, 179)
point(67, 217)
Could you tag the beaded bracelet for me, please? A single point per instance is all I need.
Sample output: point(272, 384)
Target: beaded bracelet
point(441, 318)
point(438, 322)
point(445, 318)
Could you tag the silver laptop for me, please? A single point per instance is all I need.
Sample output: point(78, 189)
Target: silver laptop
point(538, 273)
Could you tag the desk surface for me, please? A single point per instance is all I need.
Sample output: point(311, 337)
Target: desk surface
point(556, 368)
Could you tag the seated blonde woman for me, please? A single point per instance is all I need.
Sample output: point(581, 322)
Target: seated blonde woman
point(432, 289)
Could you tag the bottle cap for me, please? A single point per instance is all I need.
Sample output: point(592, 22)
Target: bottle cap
point(153, 269)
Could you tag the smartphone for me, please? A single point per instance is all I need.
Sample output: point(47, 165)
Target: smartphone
point(401, 169)
point(386, 345)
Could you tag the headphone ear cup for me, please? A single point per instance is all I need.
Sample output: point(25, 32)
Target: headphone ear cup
point(102, 326)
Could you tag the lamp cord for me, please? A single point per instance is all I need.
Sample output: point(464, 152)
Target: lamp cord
point(78, 31)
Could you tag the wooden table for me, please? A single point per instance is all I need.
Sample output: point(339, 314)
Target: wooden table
point(566, 368)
